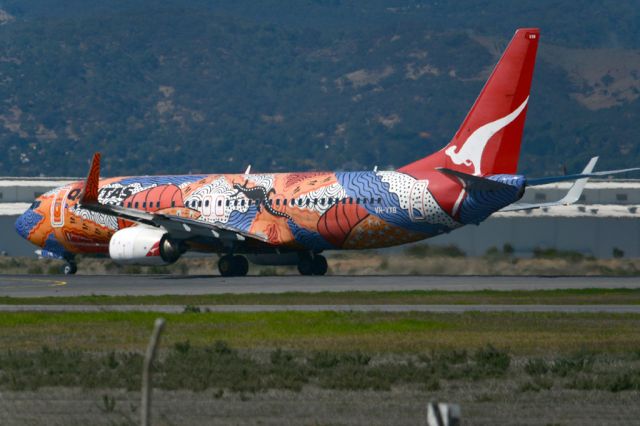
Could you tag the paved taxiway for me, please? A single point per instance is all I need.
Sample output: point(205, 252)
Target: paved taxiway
point(137, 285)
point(571, 309)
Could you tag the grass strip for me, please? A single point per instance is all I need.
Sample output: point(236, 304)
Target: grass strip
point(620, 296)
point(380, 332)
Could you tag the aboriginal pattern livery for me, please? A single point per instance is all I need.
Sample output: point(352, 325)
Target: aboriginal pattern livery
point(311, 211)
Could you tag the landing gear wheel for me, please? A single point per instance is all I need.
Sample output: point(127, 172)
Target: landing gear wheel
point(319, 265)
point(241, 265)
point(70, 269)
point(233, 266)
point(305, 266)
point(225, 265)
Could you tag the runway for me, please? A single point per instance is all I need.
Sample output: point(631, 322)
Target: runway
point(139, 285)
point(174, 309)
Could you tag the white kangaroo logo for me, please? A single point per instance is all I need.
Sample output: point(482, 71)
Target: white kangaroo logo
point(470, 154)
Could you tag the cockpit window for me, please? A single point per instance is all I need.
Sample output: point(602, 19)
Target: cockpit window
point(35, 205)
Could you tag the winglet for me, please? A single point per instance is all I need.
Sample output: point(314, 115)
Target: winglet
point(576, 189)
point(89, 194)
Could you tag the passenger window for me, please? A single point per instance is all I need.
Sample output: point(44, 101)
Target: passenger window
point(322, 200)
point(308, 202)
point(144, 205)
point(350, 200)
point(136, 206)
point(379, 200)
point(364, 201)
point(330, 201)
point(219, 203)
point(357, 200)
point(227, 203)
point(284, 202)
point(315, 201)
point(344, 201)
point(372, 200)
point(173, 203)
point(235, 203)
point(157, 204)
point(277, 201)
point(129, 204)
point(242, 203)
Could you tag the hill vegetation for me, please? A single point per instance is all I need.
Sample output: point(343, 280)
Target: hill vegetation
point(197, 86)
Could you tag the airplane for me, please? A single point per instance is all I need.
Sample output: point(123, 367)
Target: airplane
point(292, 218)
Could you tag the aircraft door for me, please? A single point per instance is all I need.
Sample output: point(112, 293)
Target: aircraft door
point(58, 207)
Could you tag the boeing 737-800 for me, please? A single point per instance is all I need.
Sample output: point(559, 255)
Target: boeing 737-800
point(291, 218)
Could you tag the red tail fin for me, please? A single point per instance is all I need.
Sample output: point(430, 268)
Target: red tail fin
point(488, 141)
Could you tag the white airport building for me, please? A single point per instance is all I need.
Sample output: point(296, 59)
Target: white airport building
point(607, 217)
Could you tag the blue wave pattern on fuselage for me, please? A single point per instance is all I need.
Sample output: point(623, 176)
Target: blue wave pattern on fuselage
point(242, 220)
point(309, 239)
point(25, 222)
point(479, 205)
point(52, 245)
point(161, 180)
point(369, 185)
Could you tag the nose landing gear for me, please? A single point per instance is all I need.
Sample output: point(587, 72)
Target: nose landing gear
point(233, 266)
point(70, 268)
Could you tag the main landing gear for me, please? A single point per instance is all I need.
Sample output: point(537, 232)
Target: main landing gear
point(312, 265)
point(233, 265)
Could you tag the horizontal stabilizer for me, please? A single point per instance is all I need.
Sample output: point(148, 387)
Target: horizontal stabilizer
point(584, 174)
point(570, 197)
point(474, 183)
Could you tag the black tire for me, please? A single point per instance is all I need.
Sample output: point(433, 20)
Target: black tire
point(319, 265)
point(70, 269)
point(225, 266)
point(305, 266)
point(240, 266)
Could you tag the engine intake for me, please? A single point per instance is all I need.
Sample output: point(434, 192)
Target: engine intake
point(142, 245)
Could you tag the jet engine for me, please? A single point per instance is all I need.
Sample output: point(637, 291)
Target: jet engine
point(143, 245)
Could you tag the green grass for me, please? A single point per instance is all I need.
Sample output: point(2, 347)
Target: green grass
point(418, 297)
point(380, 332)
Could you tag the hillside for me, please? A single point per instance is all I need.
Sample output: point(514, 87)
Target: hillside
point(301, 85)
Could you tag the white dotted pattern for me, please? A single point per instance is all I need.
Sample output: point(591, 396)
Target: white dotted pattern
point(414, 194)
point(330, 191)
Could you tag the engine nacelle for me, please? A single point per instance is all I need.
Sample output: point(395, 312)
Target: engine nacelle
point(142, 245)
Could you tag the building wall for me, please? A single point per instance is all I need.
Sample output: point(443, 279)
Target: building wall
point(596, 236)
point(12, 243)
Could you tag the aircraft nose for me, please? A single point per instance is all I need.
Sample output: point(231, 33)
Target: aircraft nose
point(25, 223)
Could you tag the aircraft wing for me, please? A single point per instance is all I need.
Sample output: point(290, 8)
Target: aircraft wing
point(178, 227)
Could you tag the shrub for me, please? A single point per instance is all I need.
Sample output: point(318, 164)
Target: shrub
point(280, 357)
point(617, 253)
point(508, 249)
point(576, 363)
point(182, 347)
point(536, 367)
point(491, 361)
point(191, 309)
